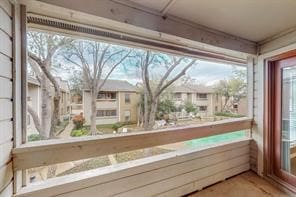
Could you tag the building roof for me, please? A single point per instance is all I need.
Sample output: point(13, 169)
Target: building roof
point(63, 83)
point(194, 88)
point(118, 86)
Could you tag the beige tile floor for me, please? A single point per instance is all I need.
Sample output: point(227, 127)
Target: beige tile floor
point(247, 184)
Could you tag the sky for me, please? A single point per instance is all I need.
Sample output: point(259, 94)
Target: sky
point(204, 72)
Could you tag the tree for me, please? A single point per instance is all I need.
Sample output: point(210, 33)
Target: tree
point(190, 107)
point(166, 106)
point(97, 61)
point(232, 89)
point(173, 68)
point(42, 48)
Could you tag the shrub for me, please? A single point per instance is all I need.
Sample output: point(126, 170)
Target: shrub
point(78, 121)
point(79, 132)
point(189, 107)
point(117, 125)
point(34, 137)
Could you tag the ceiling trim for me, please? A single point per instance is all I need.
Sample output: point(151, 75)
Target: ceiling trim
point(132, 19)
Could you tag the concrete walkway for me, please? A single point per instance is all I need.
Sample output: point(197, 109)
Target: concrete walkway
point(67, 131)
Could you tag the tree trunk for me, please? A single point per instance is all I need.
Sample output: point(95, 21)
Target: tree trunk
point(146, 110)
point(93, 128)
point(35, 118)
point(45, 108)
point(55, 114)
point(152, 114)
point(225, 104)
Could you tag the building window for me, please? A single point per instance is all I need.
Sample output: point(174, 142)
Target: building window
point(106, 113)
point(203, 108)
point(127, 115)
point(177, 96)
point(216, 108)
point(106, 95)
point(202, 96)
point(127, 98)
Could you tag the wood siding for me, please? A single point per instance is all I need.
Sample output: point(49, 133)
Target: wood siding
point(6, 105)
point(171, 174)
point(254, 144)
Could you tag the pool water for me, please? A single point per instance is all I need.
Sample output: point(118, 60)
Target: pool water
point(201, 142)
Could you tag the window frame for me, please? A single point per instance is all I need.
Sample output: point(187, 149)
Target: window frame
point(36, 145)
point(127, 98)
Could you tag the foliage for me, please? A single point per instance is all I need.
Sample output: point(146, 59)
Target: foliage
point(34, 137)
point(228, 114)
point(190, 107)
point(233, 89)
point(118, 125)
point(78, 121)
point(165, 107)
point(79, 132)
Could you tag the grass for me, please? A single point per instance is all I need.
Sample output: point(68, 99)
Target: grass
point(120, 157)
point(88, 165)
point(138, 154)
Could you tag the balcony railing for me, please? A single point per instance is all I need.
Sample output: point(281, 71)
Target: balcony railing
point(181, 168)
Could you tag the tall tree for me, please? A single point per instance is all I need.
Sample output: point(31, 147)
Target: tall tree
point(232, 89)
point(97, 61)
point(172, 67)
point(42, 47)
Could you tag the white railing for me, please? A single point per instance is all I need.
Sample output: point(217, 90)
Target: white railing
point(43, 153)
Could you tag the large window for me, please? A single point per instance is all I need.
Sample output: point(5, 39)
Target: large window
point(109, 92)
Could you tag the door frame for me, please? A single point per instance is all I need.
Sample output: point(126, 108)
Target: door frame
point(269, 117)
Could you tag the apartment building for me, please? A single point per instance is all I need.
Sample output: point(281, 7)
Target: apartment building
point(117, 102)
point(34, 101)
point(203, 97)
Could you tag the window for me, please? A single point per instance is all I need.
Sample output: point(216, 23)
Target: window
point(216, 108)
point(127, 115)
point(106, 113)
point(107, 95)
point(127, 98)
point(178, 96)
point(202, 96)
point(171, 111)
point(203, 108)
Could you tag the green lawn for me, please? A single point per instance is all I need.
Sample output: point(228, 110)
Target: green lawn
point(216, 139)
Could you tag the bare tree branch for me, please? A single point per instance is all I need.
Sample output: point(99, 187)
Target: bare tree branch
point(183, 72)
point(113, 67)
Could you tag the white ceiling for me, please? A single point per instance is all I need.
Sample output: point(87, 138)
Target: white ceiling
point(254, 20)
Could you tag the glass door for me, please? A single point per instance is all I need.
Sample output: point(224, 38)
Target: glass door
point(285, 120)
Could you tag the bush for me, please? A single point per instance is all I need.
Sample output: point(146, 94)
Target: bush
point(118, 125)
point(34, 137)
point(190, 107)
point(79, 132)
point(78, 121)
point(228, 114)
